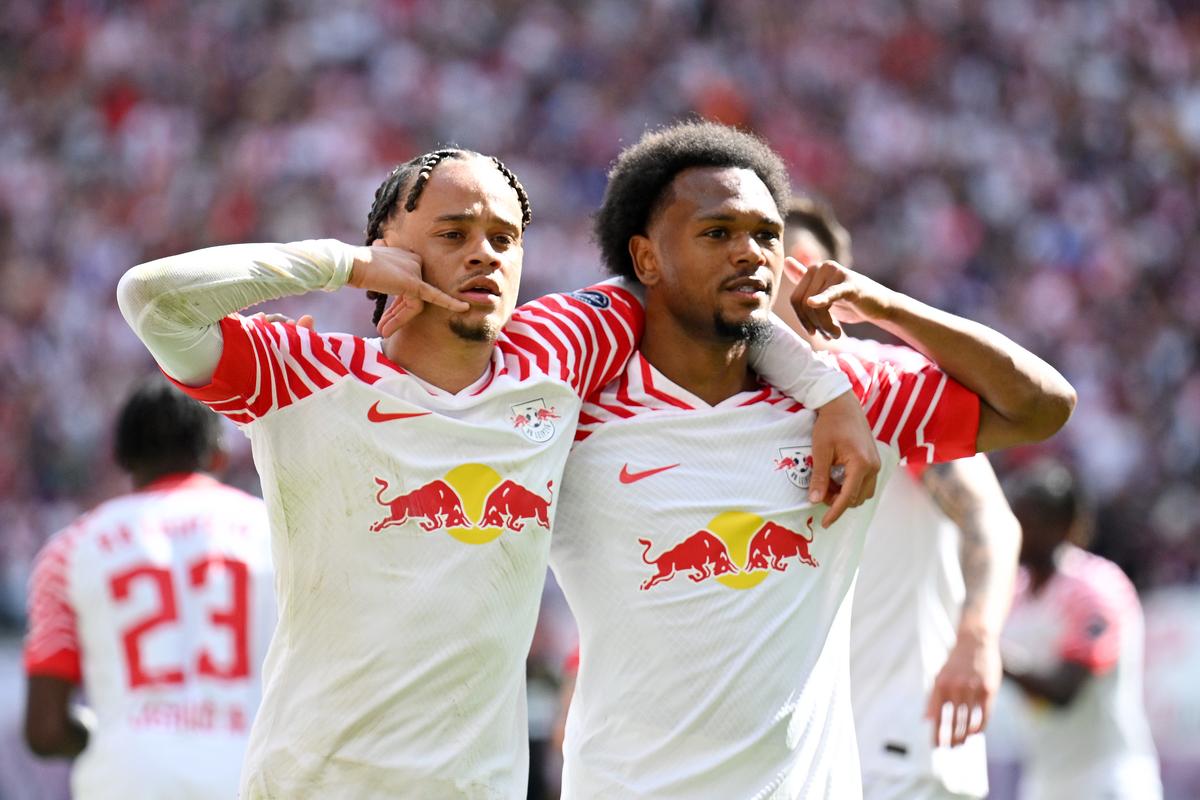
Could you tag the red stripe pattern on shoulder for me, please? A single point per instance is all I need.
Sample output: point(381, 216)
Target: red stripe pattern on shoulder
point(914, 406)
point(52, 643)
point(584, 338)
point(268, 366)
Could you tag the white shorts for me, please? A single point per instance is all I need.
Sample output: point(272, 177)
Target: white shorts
point(912, 787)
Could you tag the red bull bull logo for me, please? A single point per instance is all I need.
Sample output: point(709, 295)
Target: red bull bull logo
point(736, 548)
point(472, 503)
point(434, 505)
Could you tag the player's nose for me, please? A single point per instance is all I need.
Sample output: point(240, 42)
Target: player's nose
point(483, 252)
point(746, 250)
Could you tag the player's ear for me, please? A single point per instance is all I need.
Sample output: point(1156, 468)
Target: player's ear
point(645, 260)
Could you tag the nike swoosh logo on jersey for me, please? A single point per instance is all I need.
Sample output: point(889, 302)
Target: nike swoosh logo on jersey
point(375, 415)
point(633, 477)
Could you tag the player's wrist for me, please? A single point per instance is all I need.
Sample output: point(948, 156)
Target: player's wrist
point(974, 632)
point(884, 306)
point(360, 268)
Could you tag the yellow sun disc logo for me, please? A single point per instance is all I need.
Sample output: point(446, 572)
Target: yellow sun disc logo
point(474, 482)
point(735, 528)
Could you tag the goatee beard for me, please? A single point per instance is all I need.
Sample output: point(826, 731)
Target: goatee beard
point(485, 331)
point(750, 331)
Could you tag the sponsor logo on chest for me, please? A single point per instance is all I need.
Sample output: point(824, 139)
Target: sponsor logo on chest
point(473, 503)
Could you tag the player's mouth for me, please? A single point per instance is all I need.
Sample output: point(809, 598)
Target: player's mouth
point(749, 287)
point(480, 291)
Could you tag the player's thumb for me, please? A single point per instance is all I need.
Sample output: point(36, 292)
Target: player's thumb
point(818, 486)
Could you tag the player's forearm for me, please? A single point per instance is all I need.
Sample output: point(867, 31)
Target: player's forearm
point(968, 492)
point(787, 362)
point(53, 726)
point(989, 546)
point(1020, 387)
point(173, 304)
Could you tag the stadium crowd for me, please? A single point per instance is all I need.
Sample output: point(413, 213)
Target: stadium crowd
point(1034, 164)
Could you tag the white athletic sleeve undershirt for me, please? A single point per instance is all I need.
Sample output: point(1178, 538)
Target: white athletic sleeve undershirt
point(788, 363)
point(174, 304)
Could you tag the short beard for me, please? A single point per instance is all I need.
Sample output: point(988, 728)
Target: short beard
point(485, 331)
point(750, 331)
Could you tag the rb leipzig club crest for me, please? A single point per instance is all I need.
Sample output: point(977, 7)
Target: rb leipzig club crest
point(797, 464)
point(535, 420)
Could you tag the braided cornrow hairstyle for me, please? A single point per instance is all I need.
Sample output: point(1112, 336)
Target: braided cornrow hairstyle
point(418, 170)
point(526, 209)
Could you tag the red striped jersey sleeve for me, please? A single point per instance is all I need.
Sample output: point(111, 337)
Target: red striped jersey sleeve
point(52, 643)
point(268, 366)
point(583, 337)
point(912, 405)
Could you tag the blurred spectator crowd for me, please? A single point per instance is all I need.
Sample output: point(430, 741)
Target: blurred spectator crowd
point(1032, 164)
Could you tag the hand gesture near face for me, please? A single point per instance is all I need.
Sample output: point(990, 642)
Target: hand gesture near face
point(396, 271)
point(829, 294)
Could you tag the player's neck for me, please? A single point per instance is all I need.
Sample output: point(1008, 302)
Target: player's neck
point(440, 357)
point(1042, 570)
point(712, 370)
point(147, 477)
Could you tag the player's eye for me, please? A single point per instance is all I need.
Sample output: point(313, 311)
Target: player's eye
point(502, 241)
point(454, 236)
point(715, 233)
point(768, 236)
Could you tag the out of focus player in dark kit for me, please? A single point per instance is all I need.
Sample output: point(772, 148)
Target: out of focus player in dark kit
point(1073, 644)
point(158, 604)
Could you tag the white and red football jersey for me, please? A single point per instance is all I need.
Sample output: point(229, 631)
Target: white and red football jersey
point(906, 607)
point(161, 604)
point(411, 530)
point(907, 603)
point(712, 605)
point(1100, 744)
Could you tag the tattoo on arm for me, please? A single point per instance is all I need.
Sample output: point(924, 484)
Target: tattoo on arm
point(968, 492)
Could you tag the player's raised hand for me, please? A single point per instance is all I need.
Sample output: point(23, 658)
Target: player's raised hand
point(960, 701)
point(396, 271)
point(829, 294)
point(842, 441)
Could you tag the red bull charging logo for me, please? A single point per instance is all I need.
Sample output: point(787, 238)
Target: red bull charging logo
point(736, 548)
point(472, 502)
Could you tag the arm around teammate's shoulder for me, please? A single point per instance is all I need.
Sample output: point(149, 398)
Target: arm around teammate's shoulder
point(174, 304)
point(1023, 398)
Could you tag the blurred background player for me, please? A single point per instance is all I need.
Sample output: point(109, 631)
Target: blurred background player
point(933, 588)
point(1073, 644)
point(159, 606)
